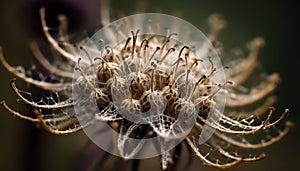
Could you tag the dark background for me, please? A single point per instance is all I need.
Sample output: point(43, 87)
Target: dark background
point(23, 147)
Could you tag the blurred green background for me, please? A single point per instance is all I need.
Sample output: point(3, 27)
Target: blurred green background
point(24, 147)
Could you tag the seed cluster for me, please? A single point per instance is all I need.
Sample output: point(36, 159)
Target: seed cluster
point(150, 82)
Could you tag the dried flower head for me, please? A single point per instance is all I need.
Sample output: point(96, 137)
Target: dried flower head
point(158, 89)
